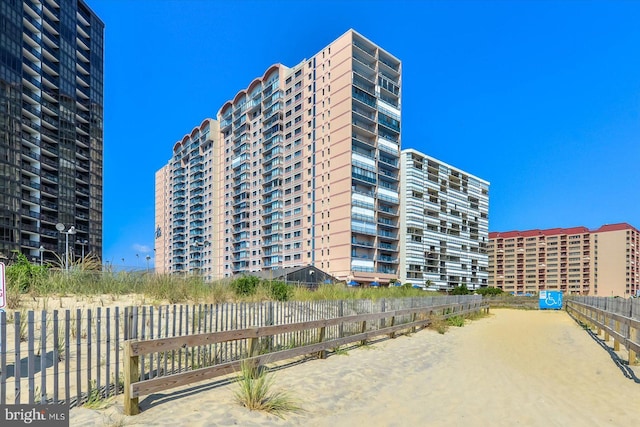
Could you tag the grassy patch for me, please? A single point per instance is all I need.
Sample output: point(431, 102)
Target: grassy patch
point(457, 321)
point(340, 351)
point(439, 325)
point(95, 400)
point(255, 392)
point(114, 420)
point(478, 315)
point(367, 346)
point(88, 279)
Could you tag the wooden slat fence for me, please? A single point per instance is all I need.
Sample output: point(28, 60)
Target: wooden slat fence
point(618, 318)
point(304, 336)
point(72, 356)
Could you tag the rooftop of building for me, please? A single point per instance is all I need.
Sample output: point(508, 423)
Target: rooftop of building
point(408, 151)
point(561, 231)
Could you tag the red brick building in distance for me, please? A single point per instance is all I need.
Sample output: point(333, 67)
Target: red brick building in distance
point(602, 262)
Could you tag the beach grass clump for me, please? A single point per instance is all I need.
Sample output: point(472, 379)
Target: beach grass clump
point(457, 321)
point(114, 420)
point(256, 392)
point(95, 400)
point(340, 351)
point(440, 325)
point(476, 315)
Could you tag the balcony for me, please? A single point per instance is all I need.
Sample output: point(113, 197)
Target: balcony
point(363, 175)
point(389, 122)
point(362, 124)
point(387, 259)
point(387, 246)
point(32, 95)
point(387, 222)
point(364, 97)
point(31, 80)
point(362, 46)
point(31, 109)
point(53, 66)
point(390, 64)
point(388, 234)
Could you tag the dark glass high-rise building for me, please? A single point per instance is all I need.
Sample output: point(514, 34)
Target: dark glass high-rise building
point(51, 128)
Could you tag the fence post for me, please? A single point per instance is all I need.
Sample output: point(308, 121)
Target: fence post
point(322, 354)
point(131, 330)
point(633, 356)
point(413, 319)
point(270, 322)
point(131, 375)
point(253, 350)
point(364, 329)
point(393, 323)
point(632, 336)
point(616, 341)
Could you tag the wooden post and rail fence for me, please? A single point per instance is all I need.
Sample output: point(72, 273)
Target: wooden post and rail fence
point(618, 318)
point(70, 356)
point(319, 336)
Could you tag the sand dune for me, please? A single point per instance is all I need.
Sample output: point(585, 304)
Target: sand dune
point(513, 368)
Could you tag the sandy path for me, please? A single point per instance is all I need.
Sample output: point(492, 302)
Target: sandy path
point(514, 368)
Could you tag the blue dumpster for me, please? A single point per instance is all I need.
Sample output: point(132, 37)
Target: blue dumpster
point(550, 300)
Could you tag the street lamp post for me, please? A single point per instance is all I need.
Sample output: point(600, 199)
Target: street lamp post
point(82, 243)
point(41, 250)
point(72, 230)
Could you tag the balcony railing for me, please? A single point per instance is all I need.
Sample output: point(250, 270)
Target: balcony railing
point(361, 95)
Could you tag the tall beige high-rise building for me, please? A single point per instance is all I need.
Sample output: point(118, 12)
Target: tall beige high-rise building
point(187, 204)
point(307, 173)
point(603, 262)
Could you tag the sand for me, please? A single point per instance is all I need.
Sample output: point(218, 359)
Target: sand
point(515, 367)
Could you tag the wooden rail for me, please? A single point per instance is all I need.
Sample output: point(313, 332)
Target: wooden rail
point(134, 387)
point(624, 331)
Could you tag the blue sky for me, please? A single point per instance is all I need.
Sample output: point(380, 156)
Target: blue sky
point(540, 98)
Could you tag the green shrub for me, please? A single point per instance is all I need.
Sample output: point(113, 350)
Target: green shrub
point(280, 291)
point(22, 276)
point(490, 291)
point(245, 285)
point(460, 290)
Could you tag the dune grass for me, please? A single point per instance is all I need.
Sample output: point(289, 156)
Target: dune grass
point(87, 279)
point(256, 392)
